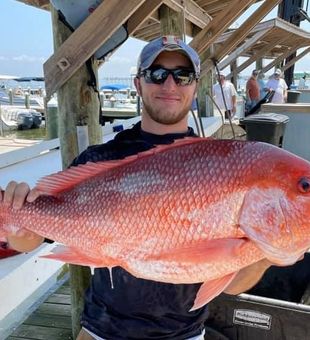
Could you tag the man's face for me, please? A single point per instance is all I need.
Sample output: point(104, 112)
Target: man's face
point(221, 79)
point(167, 103)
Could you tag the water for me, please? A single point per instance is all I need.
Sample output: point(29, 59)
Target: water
point(33, 134)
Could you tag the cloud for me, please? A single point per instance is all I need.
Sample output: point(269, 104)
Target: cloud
point(28, 59)
point(3, 58)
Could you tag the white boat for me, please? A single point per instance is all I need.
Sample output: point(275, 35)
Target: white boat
point(118, 102)
point(15, 117)
point(16, 95)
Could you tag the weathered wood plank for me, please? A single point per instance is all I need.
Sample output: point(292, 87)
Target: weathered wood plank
point(56, 321)
point(42, 333)
point(277, 61)
point(203, 40)
point(54, 309)
point(294, 60)
point(66, 290)
point(83, 42)
point(17, 338)
point(62, 299)
point(240, 34)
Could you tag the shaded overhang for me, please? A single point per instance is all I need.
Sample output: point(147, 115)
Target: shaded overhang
point(274, 39)
point(204, 21)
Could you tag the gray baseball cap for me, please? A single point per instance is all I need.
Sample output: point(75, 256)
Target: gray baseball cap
point(167, 43)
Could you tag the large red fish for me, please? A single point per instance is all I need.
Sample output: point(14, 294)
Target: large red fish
point(198, 210)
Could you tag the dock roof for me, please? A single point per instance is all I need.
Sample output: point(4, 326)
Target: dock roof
point(206, 21)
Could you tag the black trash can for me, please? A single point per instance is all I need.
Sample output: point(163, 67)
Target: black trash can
point(265, 127)
point(293, 96)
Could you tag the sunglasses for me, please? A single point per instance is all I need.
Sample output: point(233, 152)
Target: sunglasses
point(158, 75)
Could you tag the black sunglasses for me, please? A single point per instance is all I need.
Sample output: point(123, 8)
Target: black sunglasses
point(158, 75)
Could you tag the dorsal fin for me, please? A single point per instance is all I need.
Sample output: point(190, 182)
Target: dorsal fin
point(65, 180)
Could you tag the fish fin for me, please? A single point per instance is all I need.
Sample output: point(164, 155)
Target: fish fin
point(205, 250)
point(74, 256)
point(65, 180)
point(210, 289)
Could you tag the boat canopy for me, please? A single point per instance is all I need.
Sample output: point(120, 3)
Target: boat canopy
point(20, 79)
point(114, 87)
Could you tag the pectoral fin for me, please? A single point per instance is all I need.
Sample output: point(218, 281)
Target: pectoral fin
point(210, 289)
point(202, 251)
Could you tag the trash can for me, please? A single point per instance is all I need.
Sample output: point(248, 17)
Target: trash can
point(292, 96)
point(265, 127)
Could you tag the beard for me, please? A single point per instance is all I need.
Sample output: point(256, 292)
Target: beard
point(162, 116)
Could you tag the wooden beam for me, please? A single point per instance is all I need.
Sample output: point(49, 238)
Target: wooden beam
point(192, 11)
point(217, 26)
point(278, 60)
point(42, 4)
point(207, 65)
point(142, 14)
point(83, 43)
point(293, 61)
point(266, 25)
point(240, 34)
point(286, 26)
point(260, 53)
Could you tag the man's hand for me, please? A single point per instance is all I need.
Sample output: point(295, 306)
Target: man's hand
point(248, 277)
point(15, 196)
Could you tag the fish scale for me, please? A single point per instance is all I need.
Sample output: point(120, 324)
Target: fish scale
point(198, 210)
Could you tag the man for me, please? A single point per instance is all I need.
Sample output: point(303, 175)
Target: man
point(302, 82)
point(167, 79)
point(252, 90)
point(277, 84)
point(225, 96)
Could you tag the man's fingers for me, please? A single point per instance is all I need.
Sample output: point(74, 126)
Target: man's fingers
point(33, 195)
point(9, 193)
point(15, 194)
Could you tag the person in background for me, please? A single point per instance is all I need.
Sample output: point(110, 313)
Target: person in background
point(277, 84)
point(167, 80)
point(262, 85)
point(252, 90)
point(228, 104)
point(302, 82)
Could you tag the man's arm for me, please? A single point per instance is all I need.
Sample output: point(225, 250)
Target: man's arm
point(248, 277)
point(15, 195)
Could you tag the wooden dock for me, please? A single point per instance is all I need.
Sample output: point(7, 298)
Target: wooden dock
point(50, 321)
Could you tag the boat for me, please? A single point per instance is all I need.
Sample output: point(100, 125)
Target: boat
point(18, 96)
point(17, 118)
point(118, 101)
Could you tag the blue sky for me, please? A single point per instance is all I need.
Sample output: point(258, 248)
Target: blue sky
point(26, 43)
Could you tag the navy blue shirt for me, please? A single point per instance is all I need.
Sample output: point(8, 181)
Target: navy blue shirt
point(137, 308)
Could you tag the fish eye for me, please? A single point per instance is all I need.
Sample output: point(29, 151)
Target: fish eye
point(304, 185)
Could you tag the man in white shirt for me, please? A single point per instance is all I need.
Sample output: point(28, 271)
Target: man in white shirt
point(228, 103)
point(277, 84)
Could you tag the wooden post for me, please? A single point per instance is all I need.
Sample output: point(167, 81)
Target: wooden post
point(233, 70)
point(171, 22)
point(51, 120)
point(204, 92)
point(78, 104)
point(27, 100)
point(259, 64)
point(11, 95)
